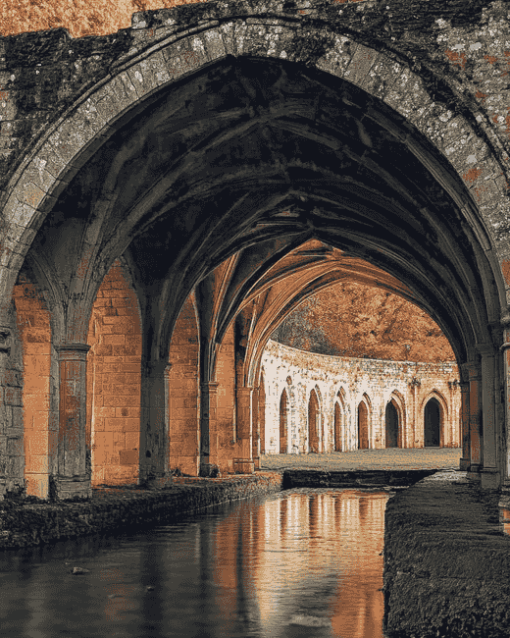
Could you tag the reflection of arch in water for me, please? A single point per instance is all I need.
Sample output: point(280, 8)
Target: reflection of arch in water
point(339, 421)
point(395, 421)
point(364, 409)
point(284, 422)
point(435, 413)
point(315, 433)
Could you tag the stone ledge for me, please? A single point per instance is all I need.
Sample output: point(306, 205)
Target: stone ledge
point(29, 524)
point(446, 561)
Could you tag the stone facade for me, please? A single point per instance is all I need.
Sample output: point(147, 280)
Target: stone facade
point(347, 382)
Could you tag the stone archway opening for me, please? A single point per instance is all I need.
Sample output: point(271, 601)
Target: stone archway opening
point(314, 416)
point(338, 426)
point(284, 422)
point(363, 426)
point(392, 425)
point(432, 423)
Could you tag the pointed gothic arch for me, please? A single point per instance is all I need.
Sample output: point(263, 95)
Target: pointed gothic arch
point(315, 428)
point(364, 410)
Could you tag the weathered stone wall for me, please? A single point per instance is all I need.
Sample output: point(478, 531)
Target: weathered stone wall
point(183, 389)
point(40, 385)
point(114, 381)
point(226, 378)
point(12, 451)
point(347, 381)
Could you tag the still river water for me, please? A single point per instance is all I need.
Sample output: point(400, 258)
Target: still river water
point(304, 562)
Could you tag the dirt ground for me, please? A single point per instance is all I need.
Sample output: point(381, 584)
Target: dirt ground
point(394, 458)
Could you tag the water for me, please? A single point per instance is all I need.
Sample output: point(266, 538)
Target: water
point(304, 562)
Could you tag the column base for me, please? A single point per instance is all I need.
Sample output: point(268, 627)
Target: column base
point(464, 465)
point(256, 462)
point(64, 488)
point(160, 481)
point(490, 479)
point(244, 466)
point(209, 470)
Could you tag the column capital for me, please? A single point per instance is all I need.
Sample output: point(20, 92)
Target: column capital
point(157, 367)
point(485, 349)
point(73, 351)
point(244, 390)
point(209, 386)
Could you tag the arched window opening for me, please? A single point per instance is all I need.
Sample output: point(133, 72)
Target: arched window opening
point(284, 413)
point(363, 426)
point(313, 422)
point(392, 425)
point(338, 427)
point(432, 423)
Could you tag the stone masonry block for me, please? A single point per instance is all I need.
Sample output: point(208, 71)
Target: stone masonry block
point(122, 424)
point(15, 466)
point(362, 60)
point(12, 396)
point(37, 464)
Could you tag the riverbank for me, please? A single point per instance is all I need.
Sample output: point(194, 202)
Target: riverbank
point(446, 561)
point(30, 524)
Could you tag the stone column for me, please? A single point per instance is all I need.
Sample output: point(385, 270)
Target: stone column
point(73, 475)
point(415, 384)
point(465, 461)
point(208, 427)
point(490, 472)
point(244, 461)
point(256, 429)
point(475, 417)
point(505, 348)
point(154, 434)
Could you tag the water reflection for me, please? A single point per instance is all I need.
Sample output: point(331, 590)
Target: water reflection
point(300, 563)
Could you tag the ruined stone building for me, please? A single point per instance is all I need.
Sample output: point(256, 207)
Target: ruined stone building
point(171, 192)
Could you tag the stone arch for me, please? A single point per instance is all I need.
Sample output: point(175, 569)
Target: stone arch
point(183, 392)
point(117, 99)
point(95, 115)
point(438, 419)
point(364, 418)
point(315, 423)
point(284, 422)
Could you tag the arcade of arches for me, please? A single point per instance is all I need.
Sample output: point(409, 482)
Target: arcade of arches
point(213, 171)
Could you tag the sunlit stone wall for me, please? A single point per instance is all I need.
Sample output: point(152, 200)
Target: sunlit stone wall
point(348, 382)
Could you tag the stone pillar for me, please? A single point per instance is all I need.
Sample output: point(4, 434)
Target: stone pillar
point(244, 461)
point(475, 418)
point(415, 384)
point(465, 461)
point(73, 475)
point(490, 472)
point(208, 427)
point(505, 348)
point(256, 429)
point(154, 435)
